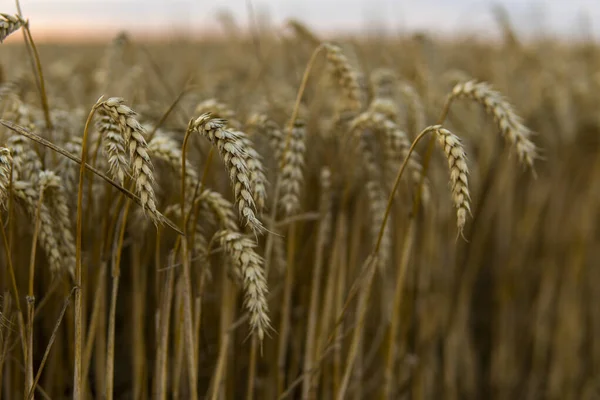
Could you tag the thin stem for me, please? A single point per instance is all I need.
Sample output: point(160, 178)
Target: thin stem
point(187, 291)
point(77, 373)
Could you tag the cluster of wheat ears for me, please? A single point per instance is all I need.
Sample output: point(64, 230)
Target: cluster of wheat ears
point(259, 217)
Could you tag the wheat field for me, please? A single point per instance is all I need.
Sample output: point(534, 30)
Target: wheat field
point(284, 216)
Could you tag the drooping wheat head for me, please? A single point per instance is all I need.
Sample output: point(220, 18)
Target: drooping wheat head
point(141, 166)
point(9, 24)
point(233, 150)
point(241, 250)
point(457, 164)
point(510, 124)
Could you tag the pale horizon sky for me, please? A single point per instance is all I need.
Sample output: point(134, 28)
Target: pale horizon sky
point(563, 18)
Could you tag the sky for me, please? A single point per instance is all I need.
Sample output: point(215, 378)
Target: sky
point(82, 18)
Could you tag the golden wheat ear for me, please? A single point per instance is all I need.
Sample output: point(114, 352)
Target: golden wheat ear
point(9, 24)
point(511, 126)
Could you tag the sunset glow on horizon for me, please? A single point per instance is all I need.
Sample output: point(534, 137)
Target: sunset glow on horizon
point(99, 19)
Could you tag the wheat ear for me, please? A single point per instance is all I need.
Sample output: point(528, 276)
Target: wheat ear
point(56, 201)
point(9, 24)
point(292, 165)
point(233, 150)
point(5, 166)
point(510, 124)
point(345, 74)
point(28, 196)
point(241, 251)
point(141, 166)
point(457, 164)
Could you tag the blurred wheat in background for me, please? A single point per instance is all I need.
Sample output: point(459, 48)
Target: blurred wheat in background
point(280, 215)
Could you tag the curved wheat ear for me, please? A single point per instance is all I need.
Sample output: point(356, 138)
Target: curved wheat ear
point(218, 110)
point(233, 150)
point(292, 165)
point(345, 74)
point(509, 123)
point(457, 163)
point(28, 196)
point(241, 251)
point(271, 130)
point(114, 149)
point(56, 201)
point(26, 162)
point(377, 200)
point(5, 166)
point(9, 24)
point(415, 117)
point(141, 166)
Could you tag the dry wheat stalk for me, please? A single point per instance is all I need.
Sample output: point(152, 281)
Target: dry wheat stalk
point(56, 201)
point(235, 154)
point(9, 24)
point(457, 164)
point(141, 165)
point(5, 167)
point(241, 251)
point(510, 124)
point(292, 165)
point(346, 76)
